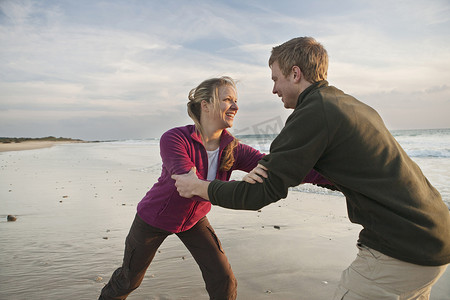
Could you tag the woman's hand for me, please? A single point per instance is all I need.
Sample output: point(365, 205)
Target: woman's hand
point(256, 174)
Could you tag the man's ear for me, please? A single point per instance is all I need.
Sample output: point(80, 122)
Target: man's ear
point(296, 73)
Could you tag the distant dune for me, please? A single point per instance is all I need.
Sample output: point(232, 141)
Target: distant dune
point(18, 144)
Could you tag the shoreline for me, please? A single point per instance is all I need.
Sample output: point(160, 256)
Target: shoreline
point(32, 145)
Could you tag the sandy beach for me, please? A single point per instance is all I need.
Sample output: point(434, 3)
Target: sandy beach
point(74, 205)
point(30, 145)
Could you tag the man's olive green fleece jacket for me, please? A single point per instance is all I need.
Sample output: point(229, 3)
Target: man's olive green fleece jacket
point(346, 141)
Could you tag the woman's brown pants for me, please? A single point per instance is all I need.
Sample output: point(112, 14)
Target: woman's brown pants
point(144, 240)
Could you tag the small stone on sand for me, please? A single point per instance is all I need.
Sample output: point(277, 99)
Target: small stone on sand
point(11, 218)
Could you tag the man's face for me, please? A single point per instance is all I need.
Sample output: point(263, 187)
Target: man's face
point(284, 86)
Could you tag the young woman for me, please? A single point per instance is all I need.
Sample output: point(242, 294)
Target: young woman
point(214, 153)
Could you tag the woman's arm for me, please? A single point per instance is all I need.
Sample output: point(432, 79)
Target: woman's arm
point(246, 157)
point(174, 150)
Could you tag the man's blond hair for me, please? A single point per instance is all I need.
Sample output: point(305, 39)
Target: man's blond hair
point(306, 53)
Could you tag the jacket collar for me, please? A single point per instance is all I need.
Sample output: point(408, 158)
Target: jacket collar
point(309, 89)
point(225, 138)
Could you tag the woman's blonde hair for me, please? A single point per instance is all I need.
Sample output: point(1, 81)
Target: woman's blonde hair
point(306, 53)
point(208, 90)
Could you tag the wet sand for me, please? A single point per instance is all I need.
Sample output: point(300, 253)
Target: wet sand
point(74, 205)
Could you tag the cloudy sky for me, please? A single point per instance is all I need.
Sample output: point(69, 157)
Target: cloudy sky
point(100, 70)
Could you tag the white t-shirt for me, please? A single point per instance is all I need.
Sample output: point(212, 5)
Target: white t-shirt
point(213, 161)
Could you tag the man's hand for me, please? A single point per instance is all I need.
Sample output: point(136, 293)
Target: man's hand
point(256, 174)
point(188, 185)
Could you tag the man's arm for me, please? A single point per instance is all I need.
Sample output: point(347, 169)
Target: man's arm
point(243, 195)
point(189, 185)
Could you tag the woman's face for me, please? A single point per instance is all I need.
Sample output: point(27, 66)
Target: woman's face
point(227, 106)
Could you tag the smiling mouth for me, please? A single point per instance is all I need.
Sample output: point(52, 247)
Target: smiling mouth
point(230, 114)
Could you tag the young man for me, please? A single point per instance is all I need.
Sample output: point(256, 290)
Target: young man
point(404, 246)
